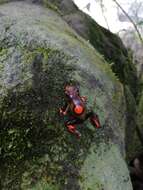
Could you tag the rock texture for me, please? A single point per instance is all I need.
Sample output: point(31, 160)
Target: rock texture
point(135, 46)
point(112, 49)
point(39, 54)
point(132, 42)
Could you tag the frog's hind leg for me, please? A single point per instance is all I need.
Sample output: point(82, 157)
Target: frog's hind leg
point(94, 119)
point(71, 126)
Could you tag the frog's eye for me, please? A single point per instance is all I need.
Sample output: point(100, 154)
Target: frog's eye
point(71, 96)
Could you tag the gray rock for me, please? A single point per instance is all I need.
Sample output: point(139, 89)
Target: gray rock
point(39, 54)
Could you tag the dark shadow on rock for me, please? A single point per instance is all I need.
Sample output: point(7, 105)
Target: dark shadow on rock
point(136, 172)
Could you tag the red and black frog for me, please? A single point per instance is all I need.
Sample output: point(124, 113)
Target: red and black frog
point(75, 108)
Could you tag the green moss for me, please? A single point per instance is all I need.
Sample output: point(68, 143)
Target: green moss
point(30, 124)
point(27, 112)
point(44, 186)
point(51, 6)
point(3, 52)
point(111, 47)
point(4, 1)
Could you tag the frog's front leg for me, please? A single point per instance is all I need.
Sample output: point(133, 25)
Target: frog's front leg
point(64, 109)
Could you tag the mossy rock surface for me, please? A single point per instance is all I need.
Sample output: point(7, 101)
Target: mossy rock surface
point(111, 47)
point(39, 54)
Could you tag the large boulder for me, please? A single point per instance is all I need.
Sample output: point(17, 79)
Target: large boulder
point(39, 54)
point(111, 47)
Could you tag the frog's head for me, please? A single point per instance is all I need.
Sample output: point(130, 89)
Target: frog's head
point(71, 91)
